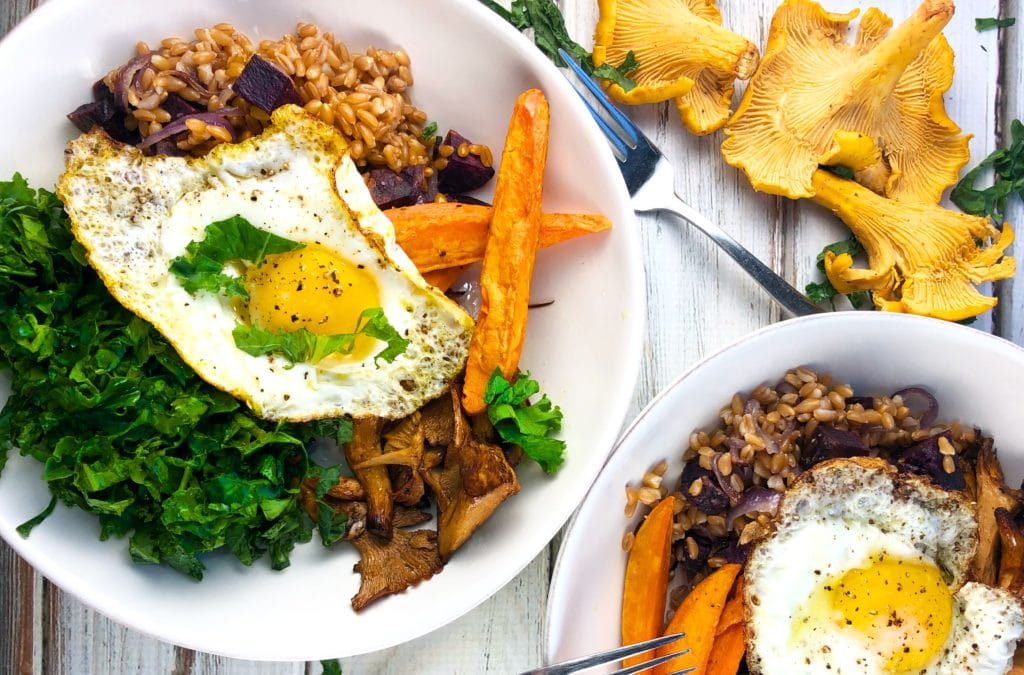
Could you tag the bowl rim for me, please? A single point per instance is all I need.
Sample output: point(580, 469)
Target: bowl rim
point(634, 333)
point(992, 341)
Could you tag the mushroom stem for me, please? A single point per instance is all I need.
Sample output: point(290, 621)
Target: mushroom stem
point(847, 199)
point(883, 66)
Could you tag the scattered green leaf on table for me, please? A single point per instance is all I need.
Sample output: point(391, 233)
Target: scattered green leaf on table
point(983, 24)
point(1008, 179)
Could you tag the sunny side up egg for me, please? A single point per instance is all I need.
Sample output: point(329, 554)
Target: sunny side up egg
point(135, 215)
point(865, 572)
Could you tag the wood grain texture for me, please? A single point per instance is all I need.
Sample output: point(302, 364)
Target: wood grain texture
point(1010, 313)
point(21, 591)
point(698, 299)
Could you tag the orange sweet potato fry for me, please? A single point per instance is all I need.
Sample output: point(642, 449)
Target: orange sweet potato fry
point(727, 652)
point(643, 595)
point(444, 278)
point(442, 235)
point(698, 617)
point(511, 250)
point(732, 613)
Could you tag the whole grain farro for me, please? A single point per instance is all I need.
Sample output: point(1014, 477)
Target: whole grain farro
point(362, 94)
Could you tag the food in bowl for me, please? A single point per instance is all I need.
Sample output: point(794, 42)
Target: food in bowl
point(195, 341)
point(866, 570)
point(803, 487)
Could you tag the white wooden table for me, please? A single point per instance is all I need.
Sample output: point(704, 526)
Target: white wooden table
point(698, 302)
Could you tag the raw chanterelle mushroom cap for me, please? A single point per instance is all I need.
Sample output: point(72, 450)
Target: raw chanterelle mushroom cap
point(683, 53)
point(812, 86)
point(923, 259)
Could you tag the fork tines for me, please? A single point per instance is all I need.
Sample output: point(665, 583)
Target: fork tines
point(586, 662)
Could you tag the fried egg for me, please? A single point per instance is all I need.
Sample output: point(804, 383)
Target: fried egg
point(136, 214)
point(866, 572)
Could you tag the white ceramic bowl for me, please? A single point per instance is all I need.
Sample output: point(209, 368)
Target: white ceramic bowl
point(975, 377)
point(585, 349)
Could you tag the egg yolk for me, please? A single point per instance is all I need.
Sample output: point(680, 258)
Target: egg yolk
point(901, 609)
point(312, 288)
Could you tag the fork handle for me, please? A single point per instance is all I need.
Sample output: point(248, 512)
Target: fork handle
point(791, 300)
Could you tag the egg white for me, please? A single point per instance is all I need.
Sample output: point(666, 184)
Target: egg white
point(834, 519)
point(135, 214)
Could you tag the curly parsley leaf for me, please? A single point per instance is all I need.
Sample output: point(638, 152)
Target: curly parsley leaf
point(1008, 179)
point(550, 34)
point(304, 346)
point(527, 425)
point(122, 427)
point(983, 24)
point(235, 238)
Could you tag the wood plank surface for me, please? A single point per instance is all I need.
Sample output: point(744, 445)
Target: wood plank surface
point(699, 300)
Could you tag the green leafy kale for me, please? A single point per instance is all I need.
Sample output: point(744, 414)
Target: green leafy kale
point(123, 428)
point(429, 131)
point(302, 345)
point(992, 22)
point(202, 266)
point(550, 34)
point(527, 425)
point(822, 292)
point(1008, 169)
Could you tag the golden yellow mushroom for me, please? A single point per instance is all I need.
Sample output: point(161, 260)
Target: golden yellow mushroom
point(683, 52)
point(922, 258)
point(814, 91)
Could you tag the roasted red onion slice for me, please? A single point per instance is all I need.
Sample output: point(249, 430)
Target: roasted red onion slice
point(127, 76)
point(921, 404)
point(218, 117)
point(755, 500)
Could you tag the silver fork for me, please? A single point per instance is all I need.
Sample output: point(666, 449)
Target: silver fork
point(649, 178)
point(612, 655)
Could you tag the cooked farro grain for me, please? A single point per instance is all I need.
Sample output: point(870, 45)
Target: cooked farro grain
point(363, 95)
point(762, 444)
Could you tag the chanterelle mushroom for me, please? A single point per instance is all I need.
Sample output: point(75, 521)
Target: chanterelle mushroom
point(388, 567)
point(993, 494)
point(474, 481)
point(683, 53)
point(923, 259)
point(812, 86)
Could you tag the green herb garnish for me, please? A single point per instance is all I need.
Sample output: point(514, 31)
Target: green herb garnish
point(527, 425)
point(429, 131)
point(123, 427)
point(550, 34)
point(992, 22)
point(822, 292)
point(202, 266)
point(1008, 169)
point(302, 345)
